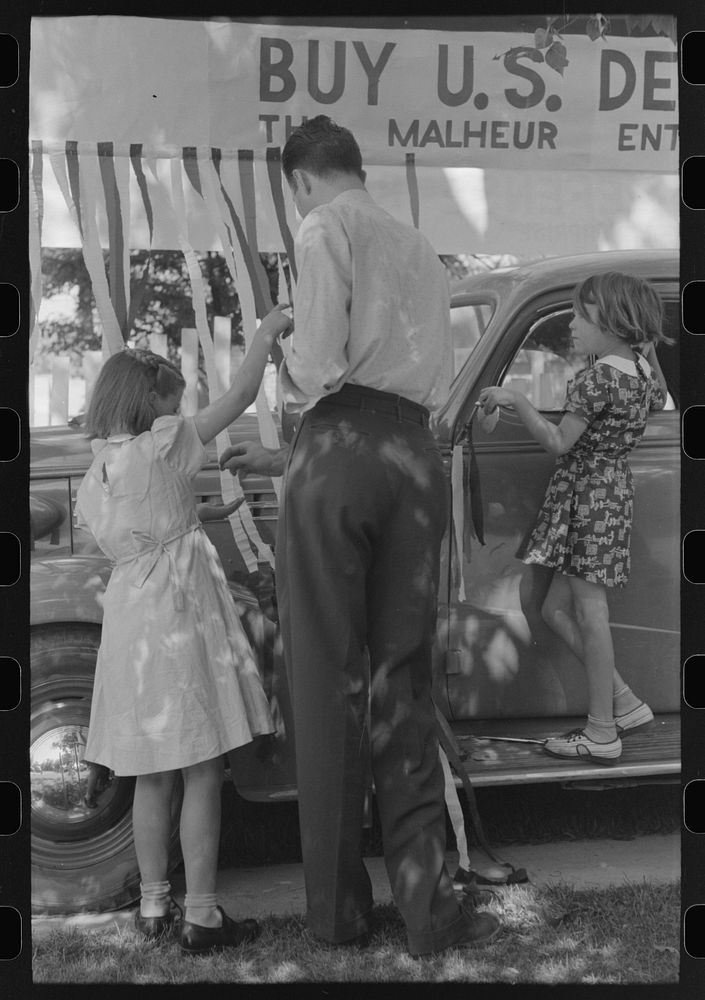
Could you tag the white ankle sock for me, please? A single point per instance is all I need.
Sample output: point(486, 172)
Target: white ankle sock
point(624, 701)
point(155, 898)
point(201, 908)
point(600, 730)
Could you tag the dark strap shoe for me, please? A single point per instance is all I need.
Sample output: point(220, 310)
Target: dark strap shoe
point(153, 928)
point(196, 938)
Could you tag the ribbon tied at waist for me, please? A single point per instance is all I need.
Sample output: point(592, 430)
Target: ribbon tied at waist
point(156, 548)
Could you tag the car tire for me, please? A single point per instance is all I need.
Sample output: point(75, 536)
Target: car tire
point(83, 856)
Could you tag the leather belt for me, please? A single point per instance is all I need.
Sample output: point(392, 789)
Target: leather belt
point(361, 397)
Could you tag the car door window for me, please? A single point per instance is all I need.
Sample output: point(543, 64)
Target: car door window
point(468, 322)
point(546, 362)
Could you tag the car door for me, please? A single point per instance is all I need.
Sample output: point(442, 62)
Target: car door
point(502, 661)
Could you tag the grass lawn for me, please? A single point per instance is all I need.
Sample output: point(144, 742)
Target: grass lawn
point(625, 934)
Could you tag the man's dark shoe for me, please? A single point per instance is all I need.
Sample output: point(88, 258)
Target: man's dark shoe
point(480, 928)
point(196, 938)
point(153, 928)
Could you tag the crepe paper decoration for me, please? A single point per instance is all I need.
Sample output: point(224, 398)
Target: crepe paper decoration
point(455, 810)
point(219, 202)
point(230, 488)
point(456, 482)
point(230, 485)
point(189, 370)
point(413, 186)
point(247, 254)
point(191, 167)
point(86, 222)
point(122, 179)
point(36, 216)
point(215, 203)
point(249, 205)
point(141, 281)
point(71, 152)
point(274, 171)
point(222, 340)
point(116, 243)
point(136, 161)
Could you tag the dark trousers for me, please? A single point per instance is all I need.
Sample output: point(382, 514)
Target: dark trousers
point(363, 513)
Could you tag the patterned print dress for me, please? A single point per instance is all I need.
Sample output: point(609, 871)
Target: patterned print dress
point(584, 525)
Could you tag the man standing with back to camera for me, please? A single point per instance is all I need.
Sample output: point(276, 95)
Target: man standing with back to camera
point(364, 508)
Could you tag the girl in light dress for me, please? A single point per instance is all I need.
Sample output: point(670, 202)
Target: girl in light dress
point(583, 528)
point(176, 682)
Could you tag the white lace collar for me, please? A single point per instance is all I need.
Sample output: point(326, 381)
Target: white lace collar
point(625, 365)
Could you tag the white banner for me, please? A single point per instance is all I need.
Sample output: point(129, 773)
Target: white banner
point(452, 98)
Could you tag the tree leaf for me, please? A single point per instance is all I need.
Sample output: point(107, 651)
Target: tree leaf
point(542, 37)
point(556, 57)
point(596, 26)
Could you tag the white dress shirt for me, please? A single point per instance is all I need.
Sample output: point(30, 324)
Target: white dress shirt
point(371, 307)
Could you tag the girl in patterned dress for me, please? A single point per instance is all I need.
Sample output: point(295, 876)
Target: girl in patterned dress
point(176, 682)
point(583, 528)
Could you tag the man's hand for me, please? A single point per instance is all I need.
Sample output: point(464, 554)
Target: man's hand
point(252, 457)
point(217, 511)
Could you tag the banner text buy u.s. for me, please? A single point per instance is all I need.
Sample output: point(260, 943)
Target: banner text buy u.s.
point(453, 98)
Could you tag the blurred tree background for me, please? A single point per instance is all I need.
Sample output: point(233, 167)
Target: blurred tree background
point(160, 293)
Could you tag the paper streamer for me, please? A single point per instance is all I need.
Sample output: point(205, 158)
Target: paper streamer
point(92, 253)
point(241, 239)
point(71, 153)
point(413, 186)
point(122, 179)
point(36, 214)
point(456, 481)
point(215, 198)
point(136, 161)
point(249, 206)
point(274, 171)
point(229, 486)
point(116, 243)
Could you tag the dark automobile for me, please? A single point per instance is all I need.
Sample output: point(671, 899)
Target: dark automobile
point(499, 675)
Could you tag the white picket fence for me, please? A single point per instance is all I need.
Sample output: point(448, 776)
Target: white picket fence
point(56, 396)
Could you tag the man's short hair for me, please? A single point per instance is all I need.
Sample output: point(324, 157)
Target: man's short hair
point(323, 148)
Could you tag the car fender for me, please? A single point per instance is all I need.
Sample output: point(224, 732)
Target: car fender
point(69, 589)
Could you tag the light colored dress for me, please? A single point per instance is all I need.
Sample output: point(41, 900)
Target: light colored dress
point(176, 681)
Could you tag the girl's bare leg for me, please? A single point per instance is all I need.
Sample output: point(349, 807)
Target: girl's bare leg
point(559, 613)
point(200, 839)
point(592, 619)
point(151, 823)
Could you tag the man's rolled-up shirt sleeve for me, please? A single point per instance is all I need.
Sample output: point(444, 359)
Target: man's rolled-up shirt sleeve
point(317, 359)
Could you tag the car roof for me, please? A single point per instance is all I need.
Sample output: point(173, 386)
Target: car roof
point(532, 278)
point(67, 451)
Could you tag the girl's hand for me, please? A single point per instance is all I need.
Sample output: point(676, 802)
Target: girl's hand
point(494, 396)
point(218, 511)
point(276, 323)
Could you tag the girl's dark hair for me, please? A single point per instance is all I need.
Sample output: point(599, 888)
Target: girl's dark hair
point(323, 148)
point(120, 400)
point(627, 306)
